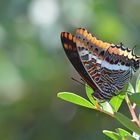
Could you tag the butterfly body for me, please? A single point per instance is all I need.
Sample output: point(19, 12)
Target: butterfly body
point(105, 67)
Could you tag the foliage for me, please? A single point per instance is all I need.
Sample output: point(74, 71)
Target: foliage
point(112, 109)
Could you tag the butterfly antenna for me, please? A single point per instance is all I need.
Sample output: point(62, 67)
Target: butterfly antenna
point(133, 49)
point(121, 44)
point(78, 81)
point(82, 80)
point(82, 83)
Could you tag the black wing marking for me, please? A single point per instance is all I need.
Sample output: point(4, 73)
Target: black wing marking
point(69, 45)
point(112, 81)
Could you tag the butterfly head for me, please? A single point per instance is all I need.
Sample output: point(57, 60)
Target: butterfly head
point(135, 61)
point(135, 64)
point(131, 58)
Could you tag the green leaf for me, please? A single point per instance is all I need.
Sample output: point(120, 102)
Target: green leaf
point(76, 99)
point(130, 88)
point(135, 98)
point(122, 132)
point(117, 100)
point(138, 84)
point(112, 135)
point(127, 122)
point(135, 135)
point(106, 106)
point(90, 92)
point(120, 135)
point(129, 138)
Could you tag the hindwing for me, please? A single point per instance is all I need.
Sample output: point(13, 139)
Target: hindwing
point(108, 75)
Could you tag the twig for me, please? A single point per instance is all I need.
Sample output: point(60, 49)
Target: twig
point(106, 112)
point(132, 111)
point(98, 108)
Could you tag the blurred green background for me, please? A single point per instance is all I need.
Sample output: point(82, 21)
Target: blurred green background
point(34, 67)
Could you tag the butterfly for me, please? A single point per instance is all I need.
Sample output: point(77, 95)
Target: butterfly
point(105, 67)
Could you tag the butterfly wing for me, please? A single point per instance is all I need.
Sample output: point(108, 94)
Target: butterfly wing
point(105, 67)
point(116, 69)
point(69, 45)
point(92, 53)
point(102, 64)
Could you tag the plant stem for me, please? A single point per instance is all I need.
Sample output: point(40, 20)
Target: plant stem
point(98, 108)
point(132, 111)
point(103, 111)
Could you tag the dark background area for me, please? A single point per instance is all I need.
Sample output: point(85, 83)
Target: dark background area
point(34, 67)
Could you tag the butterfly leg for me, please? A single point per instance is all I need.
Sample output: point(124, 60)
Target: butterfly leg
point(78, 81)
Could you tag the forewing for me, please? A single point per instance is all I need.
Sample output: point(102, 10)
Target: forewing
point(69, 45)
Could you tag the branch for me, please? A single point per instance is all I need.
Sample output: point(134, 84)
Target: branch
point(98, 107)
point(132, 111)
